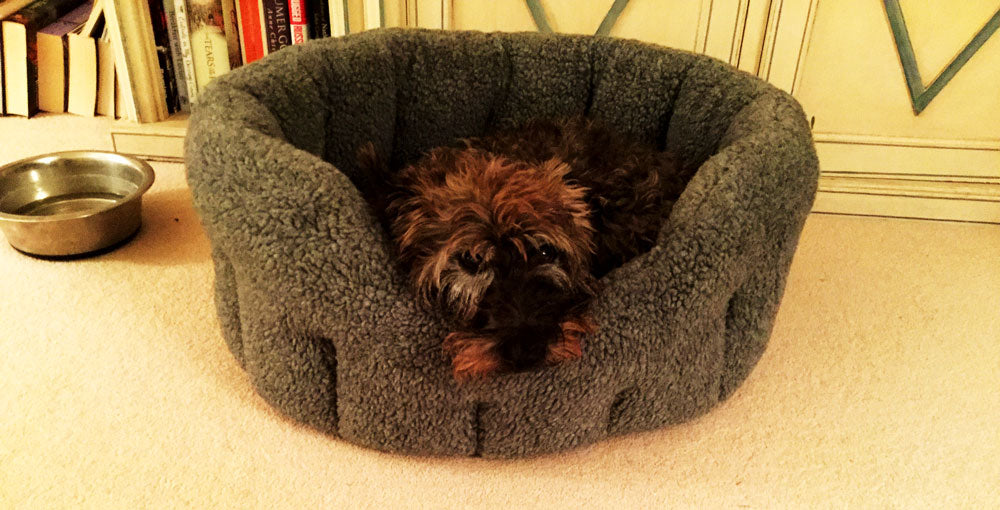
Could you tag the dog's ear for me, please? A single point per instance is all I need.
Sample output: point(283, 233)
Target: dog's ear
point(372, 166)
point(378, 184)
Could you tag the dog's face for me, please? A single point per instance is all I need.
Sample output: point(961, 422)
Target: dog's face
point(503, 246)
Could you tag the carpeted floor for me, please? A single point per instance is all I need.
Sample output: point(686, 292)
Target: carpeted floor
point(879, 388)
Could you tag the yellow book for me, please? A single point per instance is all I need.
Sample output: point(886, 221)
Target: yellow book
point(82, 75)
point(7, 8)
point(105, 78)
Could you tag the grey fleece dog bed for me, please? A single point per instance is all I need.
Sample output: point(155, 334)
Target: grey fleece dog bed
point(313, 309)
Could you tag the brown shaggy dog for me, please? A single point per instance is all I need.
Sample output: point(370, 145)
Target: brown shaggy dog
point(510, 232)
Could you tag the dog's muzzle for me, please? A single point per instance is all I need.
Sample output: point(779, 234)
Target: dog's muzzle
point(526, 318)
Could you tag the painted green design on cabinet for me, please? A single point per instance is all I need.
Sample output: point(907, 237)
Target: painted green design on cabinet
point(921, 96)
point(542, 22)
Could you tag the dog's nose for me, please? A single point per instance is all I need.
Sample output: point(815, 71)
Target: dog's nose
point(525, 346)
point(483, 321)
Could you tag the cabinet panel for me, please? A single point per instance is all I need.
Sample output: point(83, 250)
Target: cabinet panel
point(853, 82)
point(669, 22)
point(841, 61)
point(883, 150)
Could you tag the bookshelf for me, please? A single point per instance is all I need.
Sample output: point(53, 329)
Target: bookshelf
point(162, 139)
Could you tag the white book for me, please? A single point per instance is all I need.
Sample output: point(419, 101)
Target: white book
point(338, 18)
point(184, 38)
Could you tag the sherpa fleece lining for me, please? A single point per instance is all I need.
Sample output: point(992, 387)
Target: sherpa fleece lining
point(310, 303)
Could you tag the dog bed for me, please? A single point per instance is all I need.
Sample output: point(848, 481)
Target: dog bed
point(313, 309)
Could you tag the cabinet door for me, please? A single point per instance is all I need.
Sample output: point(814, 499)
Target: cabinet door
point(840, 58)
point(713, 27)
point(927, 147)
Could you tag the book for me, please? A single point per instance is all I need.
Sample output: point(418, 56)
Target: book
point(82, 98)
point(176, 55)
point(184, 41)
point(339, 25)
point(355, 12)
point(209, 47)
point(131, 33)
point(251, 36)
point(20, 52)
point(161, 39)
point(91, 67)
point(298, 25)
point(119, 100)
point(105, 77)
point(319, 18)
point(232, 29)
point(276, 25)
point(373, 14)
point(52, 67)
point(7, 8)
point(53, 61)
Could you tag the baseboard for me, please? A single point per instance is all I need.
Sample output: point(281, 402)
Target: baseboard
point(939, 179)
point(967, 199)
point(929, 195)
point(908, 156)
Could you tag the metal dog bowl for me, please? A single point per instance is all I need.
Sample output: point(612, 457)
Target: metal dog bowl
point(70, 203)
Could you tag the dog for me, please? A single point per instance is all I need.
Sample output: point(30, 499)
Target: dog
point(509, 233)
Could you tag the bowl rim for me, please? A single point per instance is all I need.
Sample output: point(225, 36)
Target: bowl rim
point(144, 168)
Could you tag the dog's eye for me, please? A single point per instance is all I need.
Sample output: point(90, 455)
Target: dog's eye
point(469, 262)
point(548, 252)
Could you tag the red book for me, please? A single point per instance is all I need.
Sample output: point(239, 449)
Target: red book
point(251, 37)
point(298, 21)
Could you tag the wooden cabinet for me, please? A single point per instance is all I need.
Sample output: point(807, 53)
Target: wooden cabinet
point(745, 33)
point(840, 59)
point(878, 154)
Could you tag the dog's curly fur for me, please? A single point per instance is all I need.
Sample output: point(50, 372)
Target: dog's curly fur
point(510, 233)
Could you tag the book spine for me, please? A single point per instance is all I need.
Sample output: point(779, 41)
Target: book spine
point(105, 78)
point(176, 55)
point(339, 25)
point(276, 24)
point(184, 41)
point(263, 25)
point(121, 110)
point(230, 22)
point(32, 71)
point(3, 93)
point(83, 77)
point(297, 21)
point(65, 75)
point(251, 39)
point(319, 18)
point(209, 46)
point(164, 56)
point(52, 72)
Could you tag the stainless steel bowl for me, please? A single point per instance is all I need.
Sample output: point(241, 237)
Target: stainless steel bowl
point(70, 203)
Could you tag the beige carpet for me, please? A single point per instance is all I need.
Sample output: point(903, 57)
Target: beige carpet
point(880, 389)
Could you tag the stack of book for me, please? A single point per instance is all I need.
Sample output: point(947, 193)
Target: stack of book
point(144, 60)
